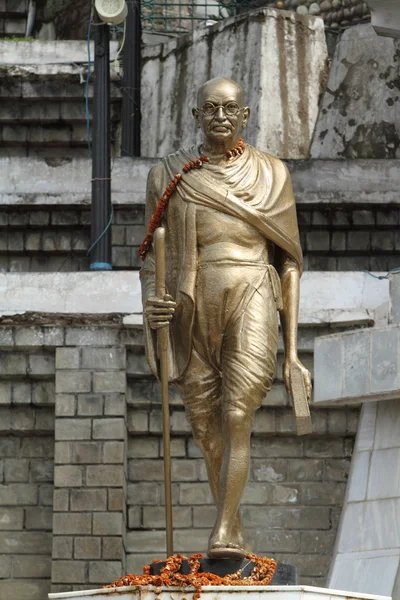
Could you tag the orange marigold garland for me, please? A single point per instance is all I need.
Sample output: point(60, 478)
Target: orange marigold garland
point(162, 203)
point(261, 574)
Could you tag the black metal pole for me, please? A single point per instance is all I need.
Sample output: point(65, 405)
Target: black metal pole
point(101, 214)
point(130, 137)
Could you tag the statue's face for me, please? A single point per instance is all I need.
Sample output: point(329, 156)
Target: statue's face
point(221, 114)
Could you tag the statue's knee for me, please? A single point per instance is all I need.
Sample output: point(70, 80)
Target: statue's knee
point(237, 418)
point(204, 440)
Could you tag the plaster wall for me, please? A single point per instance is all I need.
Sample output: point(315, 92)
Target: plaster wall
point(359, 115)
point(277, 56)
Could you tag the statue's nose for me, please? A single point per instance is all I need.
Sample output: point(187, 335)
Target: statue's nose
point(219, 113)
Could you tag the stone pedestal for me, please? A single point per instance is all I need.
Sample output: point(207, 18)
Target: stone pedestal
point(273, 592)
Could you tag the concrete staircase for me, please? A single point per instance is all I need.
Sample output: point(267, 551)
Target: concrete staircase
point(42, 99)
point(13, 18)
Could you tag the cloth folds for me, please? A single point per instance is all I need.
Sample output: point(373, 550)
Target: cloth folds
point(255, 187)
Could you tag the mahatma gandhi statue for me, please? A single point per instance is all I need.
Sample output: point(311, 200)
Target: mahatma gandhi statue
point(233, 265)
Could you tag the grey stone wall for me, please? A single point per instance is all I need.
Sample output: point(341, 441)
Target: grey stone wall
point(78, 514)
point(359, 110)
point(26, 470)
point(89, 475)
point(334, 237)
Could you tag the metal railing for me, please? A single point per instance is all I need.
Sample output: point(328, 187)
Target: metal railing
point(178, 17)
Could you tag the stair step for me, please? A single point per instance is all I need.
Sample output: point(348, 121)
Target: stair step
point(12, 27)
point(47, 90)
point(40, 52)
point(13, 7)
point(37, 135)
point(12, 113)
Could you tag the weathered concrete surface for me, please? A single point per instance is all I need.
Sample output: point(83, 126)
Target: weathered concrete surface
point(70, 292)
point(278, 57)
point(346, 181)
point(385, 17)
point(340, 298)
point(359, 116)
point(68, 181)
point(35, 181)
point(39, 52)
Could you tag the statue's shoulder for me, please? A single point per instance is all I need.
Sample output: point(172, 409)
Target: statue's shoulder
point(156, 170)
point(275, 162)
point(173, 160)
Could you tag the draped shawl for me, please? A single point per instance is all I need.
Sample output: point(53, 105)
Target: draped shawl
point(255, 187)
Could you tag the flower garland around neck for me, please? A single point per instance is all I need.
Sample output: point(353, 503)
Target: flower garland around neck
point(162, 203)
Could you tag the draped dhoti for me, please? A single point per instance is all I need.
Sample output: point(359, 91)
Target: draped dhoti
point(234, 339)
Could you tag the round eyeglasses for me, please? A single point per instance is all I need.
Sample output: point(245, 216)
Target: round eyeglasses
point(230, 109)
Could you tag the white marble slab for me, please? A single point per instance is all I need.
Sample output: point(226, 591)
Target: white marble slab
point(372, 571)
point(360, 463)
point(366, 428)
point(369, 526)
point(387, 434)
point(295, 592)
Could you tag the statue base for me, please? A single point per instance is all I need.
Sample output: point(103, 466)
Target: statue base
point(147, 592)
point(284, 574)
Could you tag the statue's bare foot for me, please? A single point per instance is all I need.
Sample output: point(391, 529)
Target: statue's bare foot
point(238, 537)
point(222, 545)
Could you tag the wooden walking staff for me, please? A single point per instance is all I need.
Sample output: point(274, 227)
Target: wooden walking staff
point(162, 346)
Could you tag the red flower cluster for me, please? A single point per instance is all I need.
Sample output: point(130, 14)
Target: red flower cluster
point(156, 219)
point(262, 574)
point(162, 203)
point(238, 149)
point(195, 164)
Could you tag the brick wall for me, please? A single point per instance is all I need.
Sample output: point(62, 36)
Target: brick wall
point(350, 237)
point(89, 388)
point(334, 238)
point(290, 507)
point(26, 472)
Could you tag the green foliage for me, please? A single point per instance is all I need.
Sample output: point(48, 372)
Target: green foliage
point(15, 38)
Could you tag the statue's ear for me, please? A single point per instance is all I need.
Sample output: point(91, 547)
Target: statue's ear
point(195, 113)
point(246, 116)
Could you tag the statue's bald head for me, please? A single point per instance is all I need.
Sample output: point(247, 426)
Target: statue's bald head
point(220, 113)
point(220, 85)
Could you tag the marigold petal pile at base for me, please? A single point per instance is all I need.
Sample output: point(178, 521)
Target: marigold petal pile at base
point(261, 574)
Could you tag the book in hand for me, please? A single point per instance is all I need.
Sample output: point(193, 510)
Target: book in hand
point(300, 401)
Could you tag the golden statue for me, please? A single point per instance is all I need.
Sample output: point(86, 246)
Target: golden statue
point(233, 261)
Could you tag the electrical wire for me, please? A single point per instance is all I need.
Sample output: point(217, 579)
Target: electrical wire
point(396, 270)
point(122, 43)
point(106, 228)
